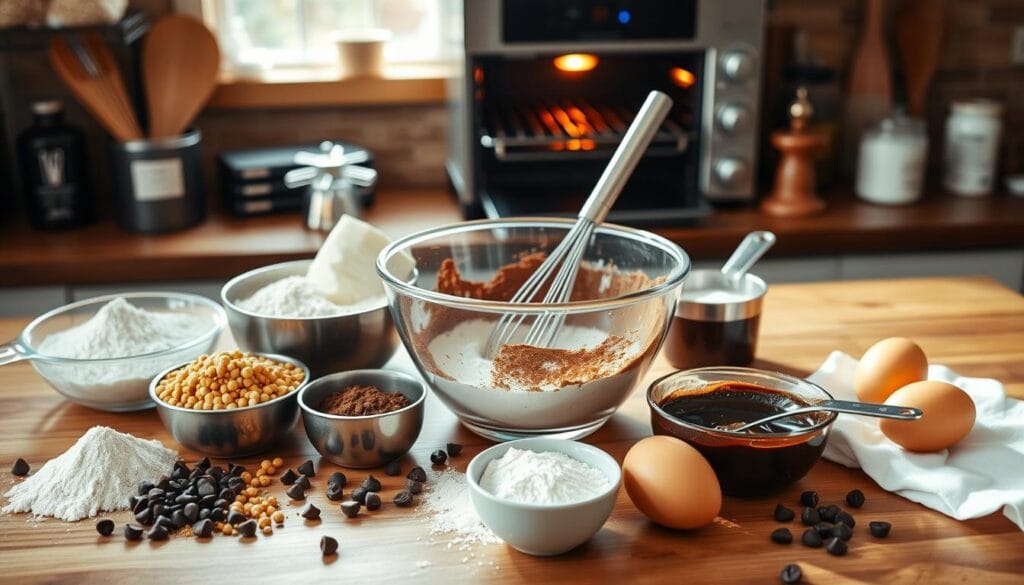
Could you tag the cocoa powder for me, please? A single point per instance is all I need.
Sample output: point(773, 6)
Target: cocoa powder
point(363, 401)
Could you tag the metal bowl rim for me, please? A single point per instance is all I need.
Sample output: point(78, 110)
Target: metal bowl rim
point(418, 403)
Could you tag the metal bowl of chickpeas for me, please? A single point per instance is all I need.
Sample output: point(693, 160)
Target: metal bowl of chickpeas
point(230, 404)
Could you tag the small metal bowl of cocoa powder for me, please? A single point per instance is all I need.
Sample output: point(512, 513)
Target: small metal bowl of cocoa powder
point(363, 418)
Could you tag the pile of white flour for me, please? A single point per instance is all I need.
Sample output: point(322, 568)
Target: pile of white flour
point(449, 511)
point(542, 478)
point(98, 473)
point(295, 296)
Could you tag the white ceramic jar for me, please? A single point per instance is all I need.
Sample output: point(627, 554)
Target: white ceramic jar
point(973, 129)
point(891, 165)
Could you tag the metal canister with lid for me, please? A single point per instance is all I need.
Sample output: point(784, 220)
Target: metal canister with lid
point(973, 130)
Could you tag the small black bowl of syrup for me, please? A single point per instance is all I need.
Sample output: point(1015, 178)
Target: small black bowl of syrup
point(701, 406)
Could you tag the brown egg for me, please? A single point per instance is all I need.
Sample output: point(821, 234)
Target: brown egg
point(948, 416)
point(888, 366)
point(671, 483)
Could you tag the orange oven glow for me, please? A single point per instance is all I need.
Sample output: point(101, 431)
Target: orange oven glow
point(681, 77)
point(575, 62)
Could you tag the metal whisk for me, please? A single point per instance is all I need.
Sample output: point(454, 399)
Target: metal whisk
point(570, 250)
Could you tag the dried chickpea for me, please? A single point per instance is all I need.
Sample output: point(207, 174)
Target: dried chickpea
point(272, 501)
point(277, 462)
point(278, 517)
point(272, 509)
point(226, 530)
point(267, 531)
point(251, 492)
point(263, 522)
point(265, 481)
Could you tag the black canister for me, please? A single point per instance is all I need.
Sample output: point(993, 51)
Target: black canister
point(159, 183)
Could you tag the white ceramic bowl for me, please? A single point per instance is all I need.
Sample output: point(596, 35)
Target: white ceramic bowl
point(545, 529)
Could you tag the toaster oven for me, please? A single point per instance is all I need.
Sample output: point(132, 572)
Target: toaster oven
point(546, 88)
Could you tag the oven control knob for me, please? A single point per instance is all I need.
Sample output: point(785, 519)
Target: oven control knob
point(732, 172)
point(734, 118)
point(737, 65)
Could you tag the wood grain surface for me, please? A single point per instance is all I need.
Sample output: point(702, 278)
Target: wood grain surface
point(225, 246)
point(973, 325)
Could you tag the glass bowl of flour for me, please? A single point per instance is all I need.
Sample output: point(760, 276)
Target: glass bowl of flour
point(104, 351)
point(614, 324)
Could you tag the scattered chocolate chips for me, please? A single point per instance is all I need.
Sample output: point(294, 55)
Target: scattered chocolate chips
point(105, 527)
point(337, 478)
point(454, 449)
point(846, 518)
point(311, 512)
point(372, 501)
point(811, 538)
point(829, 513)
point(809, 499)
point(824, 529)
point(334, 492)
point(328, 546)
point(372, 484)
point(783, 514)
point(289, 477)
point(296, 492)
point(842, 531)
point(303, 480)
point(158, 532)
point(413, 487)
point(350, 508)
point(394, 468)
point(836, 546)
point(782, 536)
point(417, 474)
point(203, 528)
point(791, 573)
point(403, 499)
point(438, 457)
point(307, 468)
point(879, 529)
point(855, 499)
point(359, 494)
point(132, 532)
point(144, 517)
point(247, 528)
point(235, 517)
point(809, 516)
point(19, 468)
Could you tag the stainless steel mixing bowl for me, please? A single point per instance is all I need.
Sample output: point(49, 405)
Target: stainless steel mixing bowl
point(232, 433)
point(365, 339)
point(363, 441)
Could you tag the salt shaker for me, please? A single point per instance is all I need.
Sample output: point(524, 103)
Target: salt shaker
point(973, 129)
point(332, 177)
point(891, 165)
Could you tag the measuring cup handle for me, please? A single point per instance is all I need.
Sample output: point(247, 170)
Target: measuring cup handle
point(749, 251)
point(871, 409)
point(11, 352)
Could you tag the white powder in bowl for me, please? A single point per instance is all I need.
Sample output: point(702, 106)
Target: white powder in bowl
point(546, 477)
point(294, 296)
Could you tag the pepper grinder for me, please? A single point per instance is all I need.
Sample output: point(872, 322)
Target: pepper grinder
point(793, 194)
point(332, 176)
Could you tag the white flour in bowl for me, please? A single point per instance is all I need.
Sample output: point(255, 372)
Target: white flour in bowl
point(295, 296)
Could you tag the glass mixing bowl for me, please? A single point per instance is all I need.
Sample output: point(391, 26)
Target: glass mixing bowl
point(115, 384)
point(624, 301)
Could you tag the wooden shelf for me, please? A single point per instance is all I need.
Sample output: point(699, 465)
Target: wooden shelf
point(224, 246)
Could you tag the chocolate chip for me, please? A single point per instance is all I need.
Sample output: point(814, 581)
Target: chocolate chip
point(403, 499)
point(337, 478)
point(438, 457)
point(829, 513)
point(311, 512)
point(140, 505)
point(454, 449)
point(307, 468)
point(809, 516)
point(836, 546)
point(811, 538)
point(334, 492)
point(105, 527)
point(188, 498)
point(359, 494)
point(203, 528)
point(372, 484)
point(413, 487)
point(879, 529)
point(394, 468)
point(847, 519)
point(203, 463)
point(783, 514)
point(289, 477)
point(328, 546)
point(217, 514)
point(145, 517)
point(191, 512)
point(158, 532)
point(372, 501)
point(206, 488)
point(144, 487)
point(809, 499)
point(163, 482)
point(235, 517)
point(178, 519)
point(417, 474)
point(204, 514)
point(247, 528)
point(351, 508)
point(855, 499)
point(132, 532)
point(180, 470)
point(824, 529)
point(842, 531)
point(790, 574)
point(296, 492)
point(235, 469)
point(782, 536)
point(154, 494)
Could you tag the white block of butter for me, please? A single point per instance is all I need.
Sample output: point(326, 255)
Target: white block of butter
point(343, 270)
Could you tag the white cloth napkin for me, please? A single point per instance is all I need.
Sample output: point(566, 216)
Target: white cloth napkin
point(979, 475)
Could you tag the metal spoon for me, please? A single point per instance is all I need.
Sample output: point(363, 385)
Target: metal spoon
point(749, 251)
point(844, 406)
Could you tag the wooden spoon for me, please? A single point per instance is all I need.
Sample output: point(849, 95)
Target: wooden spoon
point(89, 70)
point(919, 38)
point(180, 62)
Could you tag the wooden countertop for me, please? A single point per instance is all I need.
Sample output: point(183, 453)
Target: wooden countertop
point(225, 246)
point(973, 325)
